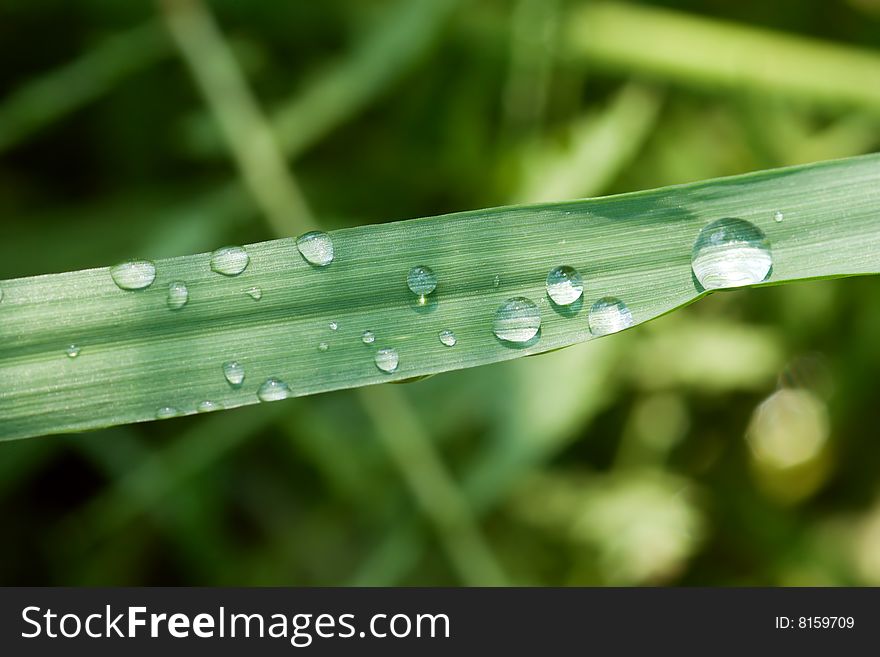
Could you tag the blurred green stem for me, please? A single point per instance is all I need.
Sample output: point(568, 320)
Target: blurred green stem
point(439, 497)
point(51, 96)
point(251, 140)
point(717, 54)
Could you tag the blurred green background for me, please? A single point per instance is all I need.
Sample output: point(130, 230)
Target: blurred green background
point(733, 442)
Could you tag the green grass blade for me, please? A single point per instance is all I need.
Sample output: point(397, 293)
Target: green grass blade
point(716, 54)
point(137, 355)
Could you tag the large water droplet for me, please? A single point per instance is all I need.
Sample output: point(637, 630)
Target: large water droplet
point(208, 406)
point(72, 351)
point(731, 253)
point(609, 315)
point(273, 389)
point(564, 285)
point(387, 360)
point(368, 337)
point(178, 295)
point(134, 274)
point(517, 320)
point(166, 412)
point(254, 293)
point(229, 260)
point(316, 247)
point(448, 338)
point(421, 280)
point(234, 373)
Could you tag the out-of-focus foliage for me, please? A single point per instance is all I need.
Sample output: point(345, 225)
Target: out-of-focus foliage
point(729, 443)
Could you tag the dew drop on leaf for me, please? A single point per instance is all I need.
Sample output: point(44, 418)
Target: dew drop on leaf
point(387, 360)
point(517, 320)
point(564, 285)
point(316, 247)
point(730, 253)
point(178, 295)
point(134, 274)
point(368, 337)
point(421, 280)
point(229, 260)
point(233, 371)
point(448, 338)
point(273, 389)
point(166, 412)
point(609, 315)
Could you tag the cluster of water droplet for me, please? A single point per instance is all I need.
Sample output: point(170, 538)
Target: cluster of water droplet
point(727, 253)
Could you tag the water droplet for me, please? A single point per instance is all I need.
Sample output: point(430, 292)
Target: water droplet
point(421, 281)
point(368, 337)
point(609, 315)
point(564, 285)
point(778, 216)
point(72, 351)
point(208, 406)
point(517, 320)
point(254, 293)
point(178, 295)
point(134, 274)
point(496, 281)
point(273, 389)
point(229, 260)
point(165, 412)
point(316, 247)
point(234, 373)
point(333, 326)
point(387, 360)
point(731, 253)
point(323, 346)
point(448, 338)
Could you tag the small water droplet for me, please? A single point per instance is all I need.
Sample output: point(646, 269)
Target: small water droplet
point(517, 320)
point(273, 389)
point(496, 281)
point(778, 216)
point(208, 406)
point(564, 285)
point(316, 247)
point(72, 351)
point(333, 326)
point(178, 295)
point(387, 360)
point(254, 293)
point(234, 373)
point(229, 260)
point(323, 346)
point(368, 337)
point(165, 412)
point(609, 315)
point(730, 253)
point(448, 338)
point(421, 281)
point(134, 274)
